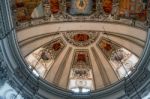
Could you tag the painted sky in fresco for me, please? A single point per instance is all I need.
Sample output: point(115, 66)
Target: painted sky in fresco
point(81, 7)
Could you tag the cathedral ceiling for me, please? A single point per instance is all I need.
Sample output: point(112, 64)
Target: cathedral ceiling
point(32, 9)
point(81, 56)
point(73, 56)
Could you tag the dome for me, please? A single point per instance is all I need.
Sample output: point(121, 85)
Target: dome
point(81, 55)
point(79, 48)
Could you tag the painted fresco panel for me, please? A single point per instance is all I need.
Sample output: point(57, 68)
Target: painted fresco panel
point(121, 60)
point(136, 9)
point(54, 6)
point(44, 57)
point(107, 6)
point(107, 47)
point(81, 77)
point(81, 7)
point(81, 58)
point(25, 9)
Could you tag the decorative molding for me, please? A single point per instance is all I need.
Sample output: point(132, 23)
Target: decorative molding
point(114, 44)
point(23, 84)
point(3, 69)
point(81, 38)
point(41, 21)
point(134, 84)
point(6, 24)
point(128, 38)
point(2, 34)
point(75, 58)
point(35, 38)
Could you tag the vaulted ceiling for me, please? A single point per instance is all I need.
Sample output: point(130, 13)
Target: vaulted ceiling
point(81, 45)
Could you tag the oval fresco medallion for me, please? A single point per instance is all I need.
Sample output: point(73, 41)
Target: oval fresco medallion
point(80, 38)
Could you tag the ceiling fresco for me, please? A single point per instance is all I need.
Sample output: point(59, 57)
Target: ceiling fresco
point(54, 6)
point(122, 60)
point(81, 7)
point(43, 58)
point(27, 10)
point(77, 57)
point(81, 77)
point(133, 9)
point(107, 6)
point(82, 38)
point(81, 70)
point(81, 59)
point(107, 47)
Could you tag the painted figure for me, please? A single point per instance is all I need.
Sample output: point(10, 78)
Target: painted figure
point(107, 6)
point(54, 6)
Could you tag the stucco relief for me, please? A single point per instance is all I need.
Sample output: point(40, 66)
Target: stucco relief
point(44, 57)
point(81, 77)
point(81, 38)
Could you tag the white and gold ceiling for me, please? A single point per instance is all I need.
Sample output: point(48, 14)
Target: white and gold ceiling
point(81, 56)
